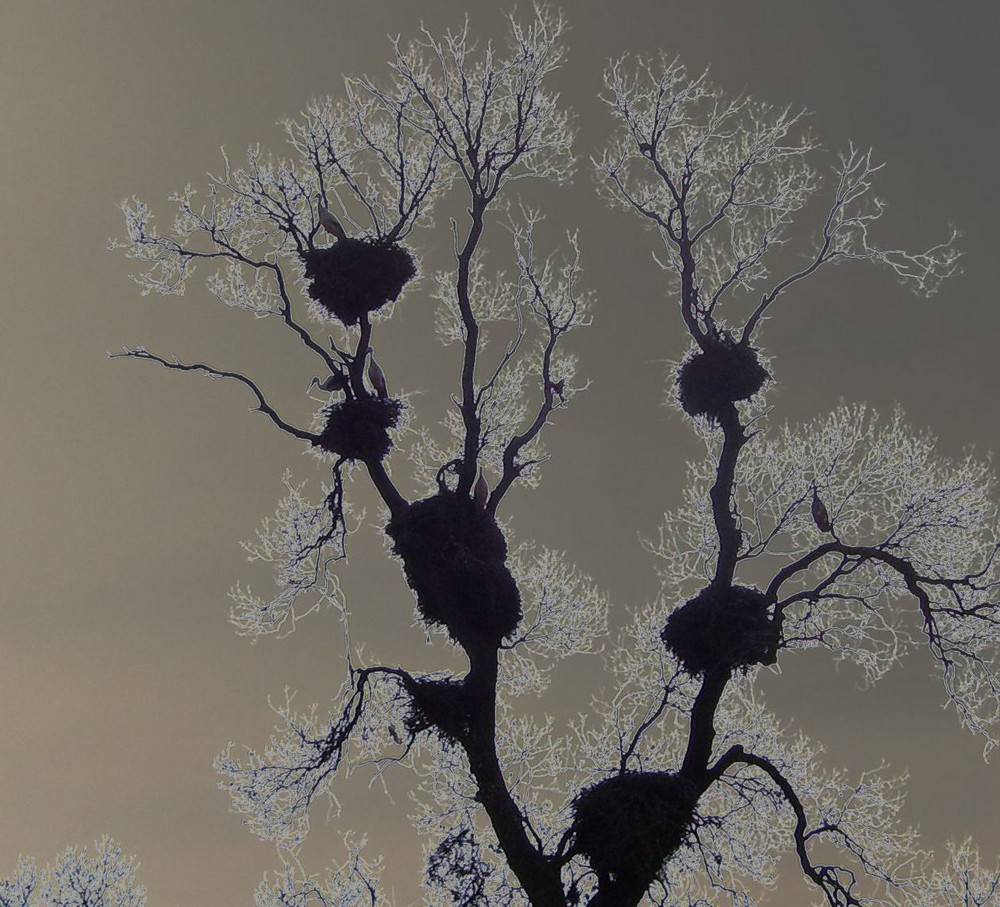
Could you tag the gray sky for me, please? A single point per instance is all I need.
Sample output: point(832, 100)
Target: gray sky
point(127, 488)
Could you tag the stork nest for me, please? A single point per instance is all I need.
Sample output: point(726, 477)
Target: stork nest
point(629, 824)
point(709, 380)
point(454, 558)
point(355, 276)
point(358, 429)
point(722, 628)
point(443, 706)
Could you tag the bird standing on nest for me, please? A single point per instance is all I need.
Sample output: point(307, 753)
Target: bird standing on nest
point(819, 513)
point(377, 377)
point(328, 222)
point(481, 493)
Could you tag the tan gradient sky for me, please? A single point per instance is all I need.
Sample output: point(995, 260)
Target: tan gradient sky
point(126, 489)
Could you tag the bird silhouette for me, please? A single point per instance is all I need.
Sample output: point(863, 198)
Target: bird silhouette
point(328, 222)
point(819, 513)
point(336, 382)
point(481, 493)
point(377, 377)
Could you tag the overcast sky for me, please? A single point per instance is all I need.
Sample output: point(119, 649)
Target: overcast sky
point(127, 488)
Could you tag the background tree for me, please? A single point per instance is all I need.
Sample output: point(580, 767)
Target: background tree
point(684, 751)
point(75, 879)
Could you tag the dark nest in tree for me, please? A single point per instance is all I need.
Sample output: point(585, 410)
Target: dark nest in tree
point(722, 628)
point(454, 557)
point(354, 276)
point(443, 706)
point(359, 429)
point(629, 824)
point(709, 380)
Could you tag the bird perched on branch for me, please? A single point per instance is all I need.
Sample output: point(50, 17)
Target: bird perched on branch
point(328, 222)
point(819, 513)
point(481, 493)
point(338, 381)
point(377, 377)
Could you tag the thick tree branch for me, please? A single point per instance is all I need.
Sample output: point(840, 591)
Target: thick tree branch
point(721, 495)
point(826, 878)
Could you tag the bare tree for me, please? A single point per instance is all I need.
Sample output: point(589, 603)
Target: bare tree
point(848, 533)
point(75, 879)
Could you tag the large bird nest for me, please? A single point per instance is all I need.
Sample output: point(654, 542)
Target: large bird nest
point(354, 276)
point(629, 824)
point(722, 628)
point(709, 380)
point(441, 705)
point(454, 557)
point(358, 429)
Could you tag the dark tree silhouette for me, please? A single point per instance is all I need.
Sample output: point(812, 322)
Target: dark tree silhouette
point(848, 534)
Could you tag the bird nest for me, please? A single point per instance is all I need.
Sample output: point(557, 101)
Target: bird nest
point(358, 429)
point(355, 276)
point(708, 380)
point(454, 557)
point(444, 706)
point(629, 824)
point(722, 628)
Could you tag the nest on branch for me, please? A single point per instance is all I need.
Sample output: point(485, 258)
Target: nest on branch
point(354, 276)
point(722, 628)
point(629, 824)
point(443, 706)
point(359, 429)
point(709, 380)
point(454, 558)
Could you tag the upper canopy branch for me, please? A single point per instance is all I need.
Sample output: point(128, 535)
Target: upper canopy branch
point(365, 154)
point(721, 180)
point(845, 236)
point(552, 297)
point(493, 118)
point(491, 114)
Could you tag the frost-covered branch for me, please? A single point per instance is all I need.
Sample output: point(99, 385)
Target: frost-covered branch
point(495, 120)
point(355, 881)
point(76, 879)
point(721, 179)
point(302, 541)
point(552, 298)
point(275, 788)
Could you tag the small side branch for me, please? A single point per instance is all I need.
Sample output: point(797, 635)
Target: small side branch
point(651, 718)
point(558, 306)
point(262, 405)
point(298, 329)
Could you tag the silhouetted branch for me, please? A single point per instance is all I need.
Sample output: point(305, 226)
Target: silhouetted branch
point(826, 878)
point(262, 405)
